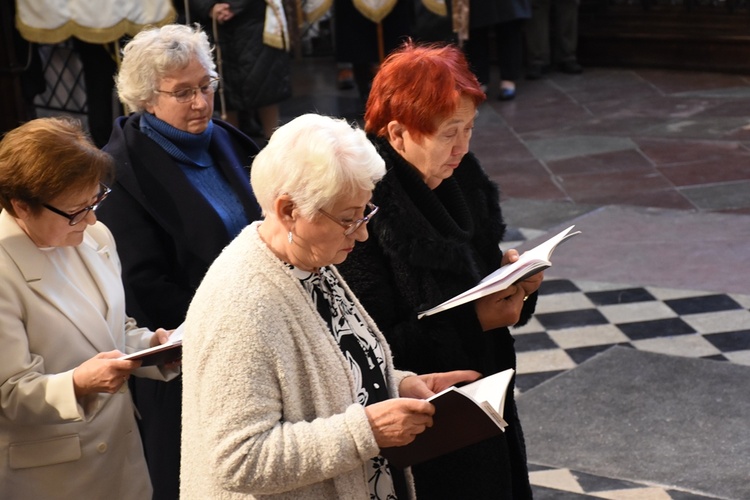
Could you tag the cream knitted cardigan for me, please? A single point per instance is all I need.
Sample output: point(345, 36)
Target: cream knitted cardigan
point(269, 407)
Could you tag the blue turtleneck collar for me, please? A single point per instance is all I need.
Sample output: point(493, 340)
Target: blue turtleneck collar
point(182, 146)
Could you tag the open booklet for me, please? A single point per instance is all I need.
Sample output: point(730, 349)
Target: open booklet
point(529, 263)
point(162, 354)
point(463, 416)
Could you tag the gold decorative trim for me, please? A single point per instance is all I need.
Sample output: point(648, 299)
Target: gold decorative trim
point(85, 33)
point(436, 7)
point(374, 13)
point(317, 12)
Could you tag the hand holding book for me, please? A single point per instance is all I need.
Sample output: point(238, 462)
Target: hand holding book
point(463, 416)
point(529, 263)
point(163, 354)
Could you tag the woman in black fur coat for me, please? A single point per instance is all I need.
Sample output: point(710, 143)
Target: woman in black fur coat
point(436, 235)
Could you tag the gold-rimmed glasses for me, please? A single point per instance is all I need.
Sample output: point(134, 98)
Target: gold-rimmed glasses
point(188, 94)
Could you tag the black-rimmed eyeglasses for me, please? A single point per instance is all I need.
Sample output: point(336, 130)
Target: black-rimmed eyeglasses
point(78, 216)
point(350, 227)
point(188, 94)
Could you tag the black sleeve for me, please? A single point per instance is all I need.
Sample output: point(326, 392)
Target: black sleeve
point(157, 293)
point(426, 345)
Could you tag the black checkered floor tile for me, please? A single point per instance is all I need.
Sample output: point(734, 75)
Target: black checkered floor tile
point(576, 320)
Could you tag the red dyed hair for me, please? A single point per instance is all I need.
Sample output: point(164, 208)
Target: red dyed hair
point(419, 86)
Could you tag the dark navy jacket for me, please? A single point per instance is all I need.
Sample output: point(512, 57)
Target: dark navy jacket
point(167, 236)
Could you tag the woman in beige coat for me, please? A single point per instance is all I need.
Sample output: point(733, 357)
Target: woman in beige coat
point(67, 423)
point(289, 389)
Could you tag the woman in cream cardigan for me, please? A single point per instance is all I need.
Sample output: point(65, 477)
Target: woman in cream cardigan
point(289, 387)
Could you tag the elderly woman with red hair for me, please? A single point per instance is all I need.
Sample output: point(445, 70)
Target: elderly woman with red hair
point(436, 235)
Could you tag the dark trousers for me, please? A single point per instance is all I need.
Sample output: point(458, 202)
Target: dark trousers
point(509, 50)
point(160, 406)
point(99, 70)
point(565, 29)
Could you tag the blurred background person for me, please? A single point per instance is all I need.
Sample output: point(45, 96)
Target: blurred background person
point(256, 63)
point(540, 55)
point(361, 43)
point(181, 194)
point(502, 22)
point(67, 422)
point(437, 234)
point(290, 390)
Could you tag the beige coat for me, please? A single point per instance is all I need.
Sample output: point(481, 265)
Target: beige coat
point(269, 402)
point(51, 445)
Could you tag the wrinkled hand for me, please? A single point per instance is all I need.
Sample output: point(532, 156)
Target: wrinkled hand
point(499, 309)
point(222, 12)
point(396, 422)
point(530, 284)
point(102, 373)
point(424, 386)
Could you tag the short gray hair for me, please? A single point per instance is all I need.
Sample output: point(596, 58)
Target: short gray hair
point(316, 160)
point(154, 53)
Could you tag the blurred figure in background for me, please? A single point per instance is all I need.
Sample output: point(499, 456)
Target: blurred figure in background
point(505, 20)
point(565, 41)
point(181, 194)
point(256, 63)
point(358, 43)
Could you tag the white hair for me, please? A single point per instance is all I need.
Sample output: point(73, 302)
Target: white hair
point(315, 160)
point(154, 53)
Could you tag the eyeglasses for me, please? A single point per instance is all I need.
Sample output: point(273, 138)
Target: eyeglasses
point(188, 94)
point(350, 227)
point(78, 216)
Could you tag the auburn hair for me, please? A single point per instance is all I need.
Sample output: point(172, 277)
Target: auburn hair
point(420, 85)
point(47, 157)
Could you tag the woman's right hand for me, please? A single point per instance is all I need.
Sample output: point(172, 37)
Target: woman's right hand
point(222, 12)
point(499, 309)
point(102, 373)
point(396, 422)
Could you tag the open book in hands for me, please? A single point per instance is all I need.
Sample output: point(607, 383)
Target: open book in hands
point(463, 416)
point(162, 354)
point(529, 263)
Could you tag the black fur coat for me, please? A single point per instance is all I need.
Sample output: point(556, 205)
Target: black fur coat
point(426, 246)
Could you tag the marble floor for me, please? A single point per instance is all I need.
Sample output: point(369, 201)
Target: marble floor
point(654, 167)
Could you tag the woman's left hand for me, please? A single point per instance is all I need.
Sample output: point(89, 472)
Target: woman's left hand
point(530, 284)
point(424, 386)
point(160, 337)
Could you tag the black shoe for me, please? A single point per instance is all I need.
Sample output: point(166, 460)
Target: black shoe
point(534, 72)
point(571, 67)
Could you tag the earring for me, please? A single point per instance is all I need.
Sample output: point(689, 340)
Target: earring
point(289, 237)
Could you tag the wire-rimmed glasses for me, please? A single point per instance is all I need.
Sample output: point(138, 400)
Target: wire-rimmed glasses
point(350, 227)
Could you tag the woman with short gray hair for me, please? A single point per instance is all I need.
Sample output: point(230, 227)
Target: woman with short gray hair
point(156, 54)
point(182, 194)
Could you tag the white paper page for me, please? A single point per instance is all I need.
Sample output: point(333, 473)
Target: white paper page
point(491, 389)
point(177, 333)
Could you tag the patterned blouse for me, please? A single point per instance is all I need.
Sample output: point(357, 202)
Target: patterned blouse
point(363, 352)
